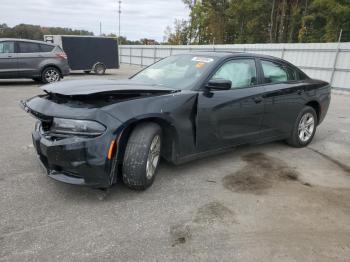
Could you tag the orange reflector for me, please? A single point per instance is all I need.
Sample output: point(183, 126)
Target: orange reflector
point(110, 151)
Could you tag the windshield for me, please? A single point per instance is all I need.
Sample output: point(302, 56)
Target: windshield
point(179, 72)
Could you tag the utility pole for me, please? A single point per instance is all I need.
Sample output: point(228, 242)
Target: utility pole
point(100, 28)
point(119, 14)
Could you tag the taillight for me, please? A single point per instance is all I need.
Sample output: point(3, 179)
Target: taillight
point(61, 55)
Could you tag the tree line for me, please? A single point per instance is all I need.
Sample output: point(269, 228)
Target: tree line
point(262, 21)
point(36, 32)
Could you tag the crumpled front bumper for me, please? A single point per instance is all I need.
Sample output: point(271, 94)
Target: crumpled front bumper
point(75, 160)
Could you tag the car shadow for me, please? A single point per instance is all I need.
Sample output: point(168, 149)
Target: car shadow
point(74, 74)
point(16, 82)
point(167, 173)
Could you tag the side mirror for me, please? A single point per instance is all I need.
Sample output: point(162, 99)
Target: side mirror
point(219, 84)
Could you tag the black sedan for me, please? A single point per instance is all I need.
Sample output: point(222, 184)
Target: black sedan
point(181, 108)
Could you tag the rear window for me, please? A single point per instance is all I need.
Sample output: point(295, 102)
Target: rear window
point(46, 48)
point(25, 47)
point(59, 49)
point(278, 73)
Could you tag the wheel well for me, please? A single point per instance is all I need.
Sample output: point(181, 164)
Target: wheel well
point(168, 131)
point(316, 106)
point(98, 63)
point(47, 66)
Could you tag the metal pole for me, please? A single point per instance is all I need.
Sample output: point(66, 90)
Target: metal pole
point(155, 54)
point(340, 35)
point(100, 28)
point(336, 59)
point(283, 50)
point(141, 57)
point(130, 54)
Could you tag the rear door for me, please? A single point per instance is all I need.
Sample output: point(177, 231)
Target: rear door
point(283, 96)
point(29, 58)
point(231, 117)
point(8, 60)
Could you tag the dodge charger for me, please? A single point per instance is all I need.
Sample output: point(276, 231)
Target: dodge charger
point(98, 132)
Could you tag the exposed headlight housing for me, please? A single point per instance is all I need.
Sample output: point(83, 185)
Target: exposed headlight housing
point(76, 127)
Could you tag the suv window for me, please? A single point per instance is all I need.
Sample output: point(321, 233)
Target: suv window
point(241, 72)
point(46, 48)
point(26, 47)
point(277, 73)
point(7, 47)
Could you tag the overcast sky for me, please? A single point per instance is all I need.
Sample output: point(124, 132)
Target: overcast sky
point(140, 18)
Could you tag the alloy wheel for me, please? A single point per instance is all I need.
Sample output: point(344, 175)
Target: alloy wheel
point(306, 127)
point(153, 157)
point(51, 76)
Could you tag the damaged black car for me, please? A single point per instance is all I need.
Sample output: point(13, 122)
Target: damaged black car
point(183, 107)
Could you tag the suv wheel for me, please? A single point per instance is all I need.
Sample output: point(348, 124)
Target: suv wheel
point(50, 75)
point(142, 155)
point(304, 128)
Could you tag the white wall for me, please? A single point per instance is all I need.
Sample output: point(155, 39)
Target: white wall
point(326, 61)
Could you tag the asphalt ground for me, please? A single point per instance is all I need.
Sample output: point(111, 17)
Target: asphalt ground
point(259, 203)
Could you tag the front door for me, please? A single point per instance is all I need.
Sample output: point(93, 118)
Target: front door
point(8, 60)
point(231, 117)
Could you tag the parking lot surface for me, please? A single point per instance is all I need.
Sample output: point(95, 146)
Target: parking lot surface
point(268, 202)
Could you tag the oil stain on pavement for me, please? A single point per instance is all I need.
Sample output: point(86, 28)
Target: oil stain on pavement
point(260, 173)
point(206, 215)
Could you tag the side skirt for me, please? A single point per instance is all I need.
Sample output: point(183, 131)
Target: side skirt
point(200, 155)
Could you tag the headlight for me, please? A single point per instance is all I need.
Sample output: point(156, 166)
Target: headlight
point(76, 127)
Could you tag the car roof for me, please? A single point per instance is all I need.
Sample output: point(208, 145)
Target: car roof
point(224, 54)
point(227, 54)
point(25, 40)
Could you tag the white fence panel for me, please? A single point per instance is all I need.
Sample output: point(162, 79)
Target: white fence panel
point(326, 61)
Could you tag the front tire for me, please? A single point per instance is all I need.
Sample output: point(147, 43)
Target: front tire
point(50, 75)
point(142, 155)
point(304, 128)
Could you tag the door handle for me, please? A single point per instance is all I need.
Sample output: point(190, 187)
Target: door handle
point(9, 56)
point(257, 100)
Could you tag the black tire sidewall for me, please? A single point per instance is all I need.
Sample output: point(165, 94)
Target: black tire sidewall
point(47, 69)
point(135, 176)
point(295, 140)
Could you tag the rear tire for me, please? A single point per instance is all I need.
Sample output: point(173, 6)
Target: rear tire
point(100, 69)
point(50, 75)
point(142, 155)
point(304, 128)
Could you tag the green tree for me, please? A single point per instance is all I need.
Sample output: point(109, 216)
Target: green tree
point(325, 20)
point(260, 21)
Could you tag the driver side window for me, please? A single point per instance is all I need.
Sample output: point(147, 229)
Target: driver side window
point(241, 72)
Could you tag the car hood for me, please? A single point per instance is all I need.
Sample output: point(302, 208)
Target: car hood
point(90, 87)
